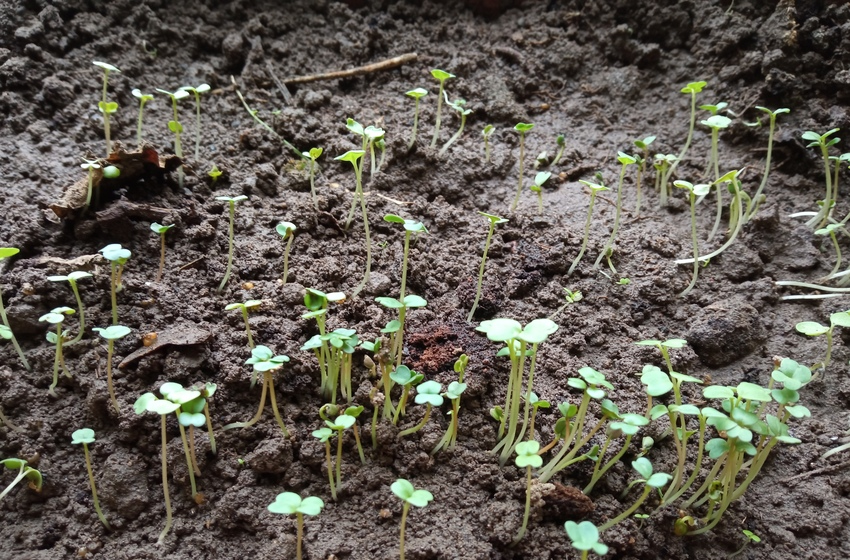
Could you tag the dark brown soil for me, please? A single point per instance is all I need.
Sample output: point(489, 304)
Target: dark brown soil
point(604, 73)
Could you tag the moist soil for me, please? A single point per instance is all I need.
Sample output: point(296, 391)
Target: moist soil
point(603, 73)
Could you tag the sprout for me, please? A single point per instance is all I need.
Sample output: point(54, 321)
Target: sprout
point(24, 471)
point(175, 126)
point(160, 230)
point(427, 393)
point(5, 330)
point(143, 98)
point(693, 192)
point(594, 190)
point(72, 280)
point(644, 146)
point(342, 423)
point(111, 334)
point(411, 497)
point(486, 133)
point(494, 221)
point(107, 108)
point(693, 88)
point(264, 361)
point(407, 378)
point(214, 173)
point(650, 481)
point(287, 231)
point(330, 361)
point(203, 88)
point(56, 317)
point(355, 158)
point(189, 406)
point(244, 307)
point(570, 297)
point(231, 202)
point(453, 393)
point(441, 76)
point(584, 537)
point(85, 437)
point(324, 435)
point(288, 503)
point(416, 94)
point(716, 123)
point(117, 257)
point(814, 329)
point(522, 128)
point(313, 154)
point(457, 105)
point(539, 179)
point(90, 166)
point(824, 142)
point(374, 135)
point(625, 161)
point(527, 458)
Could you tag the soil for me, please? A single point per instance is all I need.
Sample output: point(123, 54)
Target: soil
point(604, 73)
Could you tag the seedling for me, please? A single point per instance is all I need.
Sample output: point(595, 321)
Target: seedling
point(453, 393)
point(537, 188)
point(751, 537)
point(814, 329)
point(772, 116)
point(175, 126)
point(334, 351)
point(286, 230)
point(317, 308)
point(85, 437)
point(5, 330)
point(427, 393)
point(355, 157)
point(90, 166)
point(693, 192)
point(231, 204)
point(207, 390)
point(411, 497)
point(72, 280)
point(642, 145)
point(625, 424)
point(244, 307)
point(375, 136)
point(149, 402)
point(58, 338)
point(527, 458)
point(355, 412)
point(289, 503)
point(264, 361)
point(716, 123)
point(324, 435)
point(313, 154)
point(570, 297)
point(161, 230)
point(339, 425)
point(562, 145)
point(261, 122)
point(584, 537)
point(824, 142)
point(625, 161)
point(416, 94)
point(34, 477)
point(143, 98)
point(522, 128)
point(106, 107)
point(406, 378)
point(203, 88)
point(494, 221)
point(117, 257)
point(650, 482)
point(111, 334)
point(190, 404)
point(486, 133)
point(214, 173)
point(441, 76)
point(692, 89)
point(457, 105)
point(594, 191)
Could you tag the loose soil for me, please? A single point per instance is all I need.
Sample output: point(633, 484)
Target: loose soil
point(603, 73)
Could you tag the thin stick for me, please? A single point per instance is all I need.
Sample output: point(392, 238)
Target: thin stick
point(359, 71)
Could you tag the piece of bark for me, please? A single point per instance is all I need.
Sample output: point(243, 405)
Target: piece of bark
point(184, 334)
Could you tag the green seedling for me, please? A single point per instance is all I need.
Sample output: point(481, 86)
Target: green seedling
point(661, 163)
point(261, 122)
point(625, 161)
point(382, 368)
point(814, 329)
point(288, 503)
point(584, 537)
point(143, 99)
point(149, 402)
point(427, 393)
point(313, 154)
point(214, 173)
point(339, 425)
point(286, 230)
point(324, 435)
point(375, 137)
point(317, 308)
point(420, 498)
point(486, 133)
point(117, 257)
point(664, 347)
point(536, 404)
point(537, 188)
point(570, 297)
point(457, 105)
point(625, 424)
point(416, 94)
point(58, 338)
point(716, 123)
point(522, 128)
point(175, 126)
point(527, 458)
point(494, 221)
point(189, 406)
point(197, 91)
point(830, 230)
point(594, 191)
point(207, 390)
point(692, 89)
point(562, 145)
point(334, 352)
point(759, 192)
point(244, 307)
point(231, 205)
point(104, 106)
point(751, 537)
point(111, 334)
point(264, 361)
point(34, 477)
point(160, 230)
point(355, 412)
point(843, 158)
point(651, 481)
point(693, 192)
point(643, 146)
point(441, 76)
point(406, 378)
point(85, 437)
point(824, 142)
point(355, 157)
point(453, 393)
point(90, 166)
point(516, 339)
point(72, 280)
point(5, 330)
